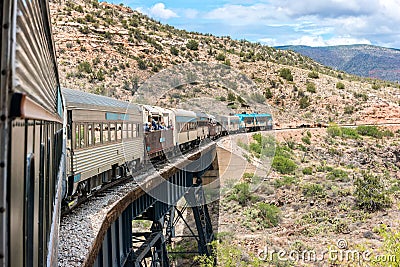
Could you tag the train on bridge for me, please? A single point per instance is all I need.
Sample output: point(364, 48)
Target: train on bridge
point(108, 138)
point(59, 144)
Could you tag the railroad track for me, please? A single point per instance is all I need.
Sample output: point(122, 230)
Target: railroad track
point(340, 125)
point(104, 189)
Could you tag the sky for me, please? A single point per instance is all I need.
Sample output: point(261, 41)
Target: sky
point(283, 22)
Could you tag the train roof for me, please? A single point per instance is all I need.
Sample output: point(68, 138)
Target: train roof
point(184, 113)
point(153, 110)
point(76, 99)
point(253, 115)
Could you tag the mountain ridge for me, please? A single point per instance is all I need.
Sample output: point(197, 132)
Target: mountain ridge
point(358, 59)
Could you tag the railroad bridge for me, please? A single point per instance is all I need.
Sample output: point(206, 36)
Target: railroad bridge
point(99, 233)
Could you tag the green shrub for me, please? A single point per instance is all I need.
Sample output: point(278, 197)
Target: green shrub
point(315, 216)
point(85, 67)
point(370, 193)
point(268, 93)
point(387, 133)
point(340, 85)
point(372, 131)
point(350, 133)
point(304, 102)
point(247, 176)
point(348, 109)
point(285, 181)
point(228, 255)
point(286, 74)
point(84, 30)
point(283, 165)
point(141, 64)
point(174, 51)
point(220, 57)
point(376, 86)
point(313, 190)
point(311, 87)
point(284, 151)
point(306, 140)
point(338, 175)
point(192, 45)
point(269, 214)
point(334, 130)
point(313, 75)
point(100, 75)
point(308, 170)
point(263, 145)
point(361, 95)
point(390, 248)
point(231, 96)
point(324, 168)
point(241, 193)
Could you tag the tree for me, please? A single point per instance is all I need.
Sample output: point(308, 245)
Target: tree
point(231, 97)
point(304, 102)
point(174, 51)
point(85, 67)
point(370, 193)
point(311, 87)
point(339, 85)
point(220, 57)
point(286, 74)
point(192, 45)
point(313, 75)
point(268, 93)
point(141, 64)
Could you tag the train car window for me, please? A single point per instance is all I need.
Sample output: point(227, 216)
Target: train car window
point(129, 130)
point(97, 134)
point(124, 130)
point(90, 134)
point(119, 131)
point(76, 135)
point(82, 135)
point(41, 224)
point(29, 208)
point(134, 130)
point(112, 132)
point(105, 133)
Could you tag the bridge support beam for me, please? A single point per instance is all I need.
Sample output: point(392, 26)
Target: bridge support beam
point(196, 200)
point(123, 247)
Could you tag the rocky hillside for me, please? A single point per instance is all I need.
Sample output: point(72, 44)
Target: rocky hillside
point(363, 60)
point(111, 50)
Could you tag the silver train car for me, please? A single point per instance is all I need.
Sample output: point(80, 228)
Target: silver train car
point(104, 140)
point(32, 158)
point(185, 130)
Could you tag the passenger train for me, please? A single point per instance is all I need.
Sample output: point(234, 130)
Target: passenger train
point(107, 138)
point(59, 144)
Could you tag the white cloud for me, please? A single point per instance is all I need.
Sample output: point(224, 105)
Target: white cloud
point(244, 15)
point(320, 41)
point(190, 13)
point(282, 22)
point(269, 41)
point(158, 11)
